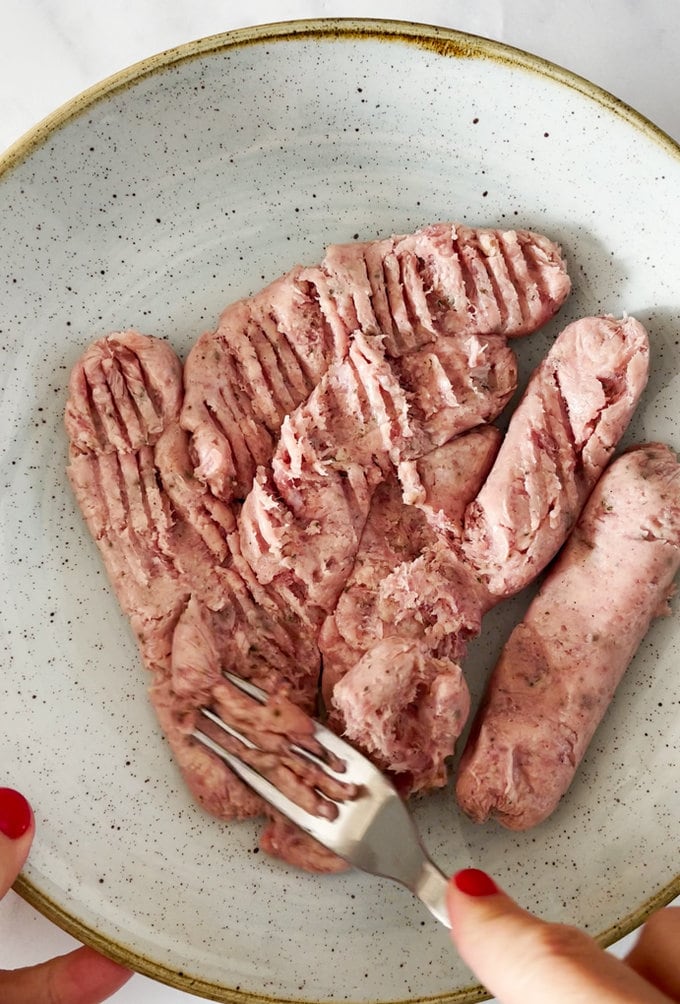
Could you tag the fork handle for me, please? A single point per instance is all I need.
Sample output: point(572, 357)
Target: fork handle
point(430, 888)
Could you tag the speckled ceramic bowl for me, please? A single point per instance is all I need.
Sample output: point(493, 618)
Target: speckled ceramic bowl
point(152, 201)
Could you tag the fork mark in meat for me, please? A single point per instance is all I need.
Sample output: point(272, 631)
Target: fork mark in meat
point(250, 429)
point(283, 363)
point(482, 301)
point(415, 298)
point(146, 399)
point(503, 290)
point(326, 329)
point(455, 384)
point(209, 517)
point(345, 265)
point(103, 415)
point(271, 379)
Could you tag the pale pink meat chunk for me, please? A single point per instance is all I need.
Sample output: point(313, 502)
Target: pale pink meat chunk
point(191, 499)
point(122, 394)
point(403, 521)
point(182, 577)
point(560, 667)
point(424, 611)
point(171, 552)
point(282, 839)
point(455, 384)
point(576, 407)
point(405, 708)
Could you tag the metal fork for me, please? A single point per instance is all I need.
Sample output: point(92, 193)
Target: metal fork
point(373, 830)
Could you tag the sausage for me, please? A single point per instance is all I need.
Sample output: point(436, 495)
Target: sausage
point(562, 434)
point(560, 667)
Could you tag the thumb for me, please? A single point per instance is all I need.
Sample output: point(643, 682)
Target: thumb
point(16, 835)
point(81, 977)
point(523, 960)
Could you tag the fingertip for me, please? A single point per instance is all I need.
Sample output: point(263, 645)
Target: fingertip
point(488, 930)
point(17, 827)
point(80, 977)
point(474, 882)
point(85, 977)
point(467, 886)
point(16, 814)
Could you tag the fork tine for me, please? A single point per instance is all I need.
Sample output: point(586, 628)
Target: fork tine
point(362, 798)
point(229, 729)
point(328, 740)
point(309, 822)
point(269, 792)
point(246, 686)
point(325, 757)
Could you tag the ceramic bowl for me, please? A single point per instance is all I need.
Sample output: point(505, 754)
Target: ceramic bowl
point(152, 201)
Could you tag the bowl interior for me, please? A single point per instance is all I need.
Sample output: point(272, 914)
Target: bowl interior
point(153, 205)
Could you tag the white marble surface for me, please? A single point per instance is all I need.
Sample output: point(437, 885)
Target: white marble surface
point(50, 50)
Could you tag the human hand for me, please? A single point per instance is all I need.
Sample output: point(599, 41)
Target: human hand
point(523, 960)
point(82, 976)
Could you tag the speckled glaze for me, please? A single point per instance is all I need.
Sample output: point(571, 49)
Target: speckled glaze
point(154, 200)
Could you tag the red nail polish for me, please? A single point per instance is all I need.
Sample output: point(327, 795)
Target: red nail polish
point(15, 813)
point(474, 882)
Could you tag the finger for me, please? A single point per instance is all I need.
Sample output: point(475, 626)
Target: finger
point(81, 977)
point(16, 835)
point(523, 960)
point(656, 953)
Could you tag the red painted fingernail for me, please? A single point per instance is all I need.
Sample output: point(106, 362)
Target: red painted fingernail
point(474, 882)
point(15, 813)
